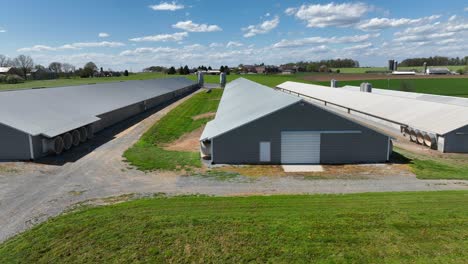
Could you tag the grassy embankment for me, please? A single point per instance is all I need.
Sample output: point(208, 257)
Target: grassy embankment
point(436, 166)
point(413, 227)
point(148, 153)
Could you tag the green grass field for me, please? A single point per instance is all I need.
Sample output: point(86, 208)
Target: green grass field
point(449, 87)
point(148, 153)
point(454, 167)
point(413, 227)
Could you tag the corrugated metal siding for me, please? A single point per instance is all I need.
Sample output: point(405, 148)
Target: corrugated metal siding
point(14, 144)
point(300, 147)
point(457, 141)
point(241, 145)
point(348, 148)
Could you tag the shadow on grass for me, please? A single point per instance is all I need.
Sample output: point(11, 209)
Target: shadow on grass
point(398, 158)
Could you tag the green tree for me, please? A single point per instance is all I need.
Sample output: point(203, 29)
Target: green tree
point(88, 70)
point(171, 70)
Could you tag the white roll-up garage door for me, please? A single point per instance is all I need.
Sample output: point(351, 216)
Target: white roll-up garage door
point(300, 147)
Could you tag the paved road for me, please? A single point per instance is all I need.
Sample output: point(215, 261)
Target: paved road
point(40, 191)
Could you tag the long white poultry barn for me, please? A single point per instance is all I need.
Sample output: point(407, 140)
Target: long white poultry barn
point(440, 126)
point(418, 96)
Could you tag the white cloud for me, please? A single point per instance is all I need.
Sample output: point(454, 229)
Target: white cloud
point(466, 9)
point(323, 40)
point(139, 51)
point(179, 36)
point(231, 44)
point(73, 46)
point(216, 45)
point(193, 27)
point(359, 47)
point(166, 6)
point(263, 28)
point(326, 15)
point(434, 32)
point(104, 35)
point(382, 23)
point(2, 30)
point(290, 11)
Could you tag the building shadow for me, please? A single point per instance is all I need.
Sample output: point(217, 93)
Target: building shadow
point(102, 137)
point(397, 158)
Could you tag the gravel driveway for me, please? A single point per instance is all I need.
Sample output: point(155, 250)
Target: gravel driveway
point(38, 191)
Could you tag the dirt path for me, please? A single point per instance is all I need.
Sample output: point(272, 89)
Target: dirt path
point(31, 193)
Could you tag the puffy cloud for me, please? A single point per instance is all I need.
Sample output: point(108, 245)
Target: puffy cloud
point(382, 23)
point(193, 27)
point(323, 40)
point(231, 44)
point(433, 32)
point(104, 35)
point(262, 28)
point(2, 30)
point(162, 37)
point(166, 6)
point(326, 15)
point(73, 46)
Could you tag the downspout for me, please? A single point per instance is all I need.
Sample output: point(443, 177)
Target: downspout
point(31, 148)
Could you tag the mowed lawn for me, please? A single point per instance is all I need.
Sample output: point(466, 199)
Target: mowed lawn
point(450, 87)
point(148, 153)
point(413, 227)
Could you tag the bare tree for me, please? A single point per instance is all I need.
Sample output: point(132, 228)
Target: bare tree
point(67, 68)
point(55, 67)
point(3, 60)
point(24, 63)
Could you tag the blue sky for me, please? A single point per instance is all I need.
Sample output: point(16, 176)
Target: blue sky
point(135, 34)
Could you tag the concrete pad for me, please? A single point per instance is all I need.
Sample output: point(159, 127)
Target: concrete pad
point(302, 168)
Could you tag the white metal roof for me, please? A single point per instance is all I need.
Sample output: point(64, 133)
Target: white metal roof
point(244, 101)
point(427, 116)
point(4, 69)
point(418, 96)
point(53, 111)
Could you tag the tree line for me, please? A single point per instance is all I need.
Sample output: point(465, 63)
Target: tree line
point(183, 70)
point(322, 65)
point(434, 61)
point(23, 68)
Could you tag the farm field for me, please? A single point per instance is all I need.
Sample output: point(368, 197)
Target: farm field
point(416, 227)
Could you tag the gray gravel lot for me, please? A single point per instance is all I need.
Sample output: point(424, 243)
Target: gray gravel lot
point(30, 193)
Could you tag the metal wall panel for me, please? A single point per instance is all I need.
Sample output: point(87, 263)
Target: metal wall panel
point(13, 144)
point(241, 145)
